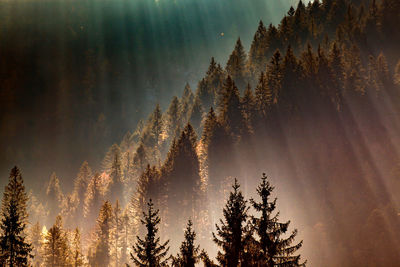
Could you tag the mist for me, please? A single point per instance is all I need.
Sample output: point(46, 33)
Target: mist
point(110, 104)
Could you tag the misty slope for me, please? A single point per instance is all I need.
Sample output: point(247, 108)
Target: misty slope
point(76, 75)
point(320, 115)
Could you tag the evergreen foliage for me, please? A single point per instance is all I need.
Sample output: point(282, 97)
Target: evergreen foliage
point(15, 249)
point(149, 251)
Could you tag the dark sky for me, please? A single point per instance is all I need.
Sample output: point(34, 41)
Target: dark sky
point(76, 75)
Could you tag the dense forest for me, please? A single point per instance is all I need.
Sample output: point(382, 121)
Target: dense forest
point(314, 103)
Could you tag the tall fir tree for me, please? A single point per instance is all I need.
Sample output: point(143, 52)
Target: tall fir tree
point(149, 252)
point(273, 248)
point(81, 184)
point(117, 230)
point(263, 98)
point(248, 106)
point(102, 243)
point(258, 51)
point(56, 249)
point(236, 66)
point(15, 249)
point(231, 112)
point(93, 198)
point(189, 252)
point(36, 239)
point(116, 188)
point(181, 175)
point(76, 249)
point(196, 115)
point(54, 197)
point(231, 234)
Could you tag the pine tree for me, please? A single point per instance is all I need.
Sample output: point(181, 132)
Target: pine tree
point(189, 253)
point(116, 189)
point(77, 256)
point(15, 250)
point(204, 93)
point(108, 160)
point(102, 244)
point(117, 229)
point(56, 250)
point(263, 97)
point(290, 82)
point(274, 75)
point(196, 115)
point(274, 250)
point(232, 231)
point(36, 239)
point(172, 117)
point(217, 144)
point(81, 184)
point(231, 112)
point(248, 107)
point(140, 160)
point(93, 197)
point(181, 175)
point(147, 188)
point(236, 66)
point(149, 252)
point(258, 51)
point(54, 196)
point(186, 104)
point(214, 77)
point(125, 234)
point(336, 65)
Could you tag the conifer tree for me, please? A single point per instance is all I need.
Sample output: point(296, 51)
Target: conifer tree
point(15, 250)
point(274, 42)
point(249, 108)
point(181, 175)
point(36, 240)
point(186, 104)
point(336, 65)
point(290, 82)
point(56, 249)
point(109, 159)
point(274, 250)
point(263, 97)
point(274, 75)
point(214, 77)
point(232, 234)
point(117, 229)
point(218, 144)
point(125, 234)
point(258, 50)
point(81, 184)
point(102, 244)
point(231, 112)
point(77, 256)
point(204, 93)
point(172, 117)
point(189, 253)
point(140, 160)
point(147, 188)
point(116, 188)
point(93, 197)
point(54, 196)
point(149, 252)
point(236, 66)
point(196, 115)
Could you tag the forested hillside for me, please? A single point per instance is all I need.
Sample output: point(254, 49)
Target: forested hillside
point(314, 103)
